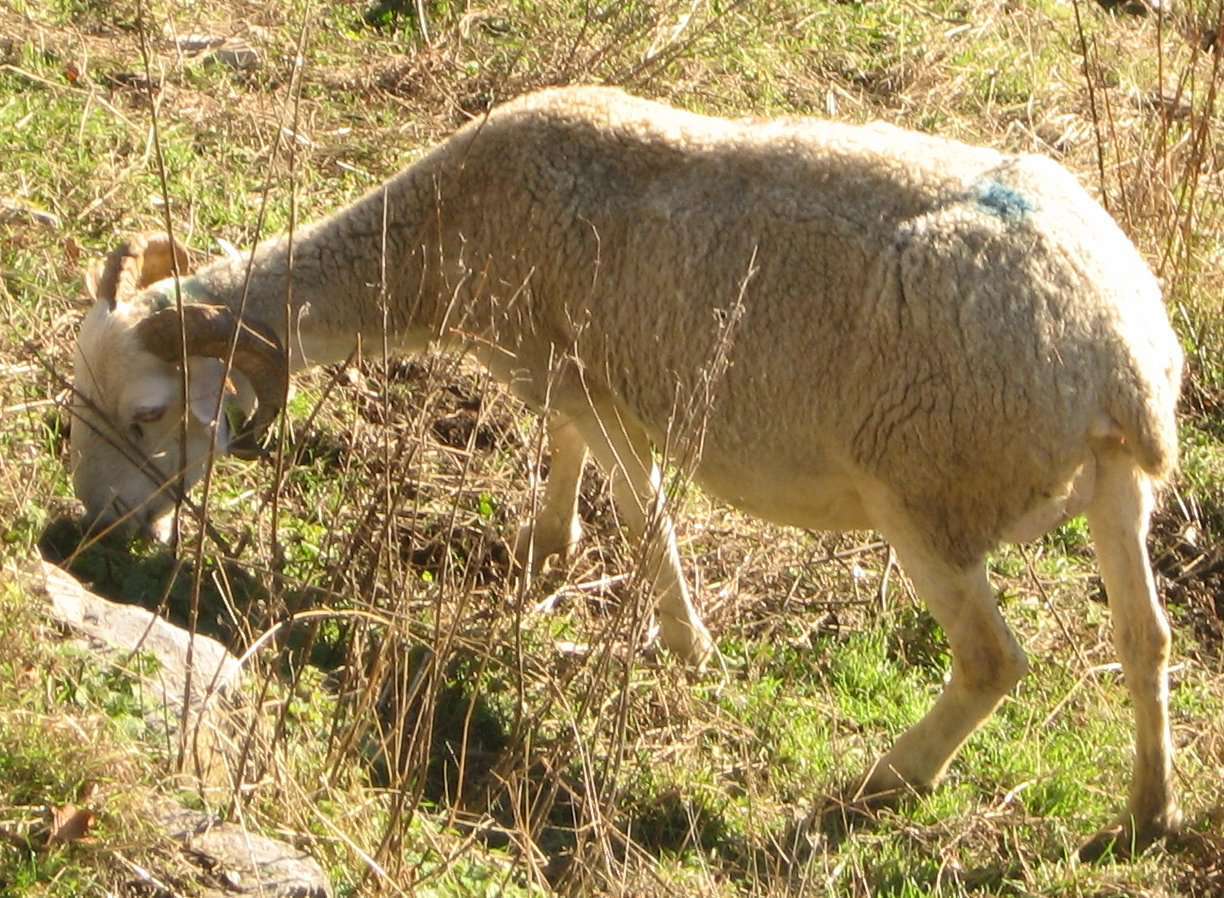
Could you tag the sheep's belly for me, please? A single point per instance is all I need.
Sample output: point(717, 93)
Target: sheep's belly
point(1049, 511)
point(834, 500)
point(828, 502)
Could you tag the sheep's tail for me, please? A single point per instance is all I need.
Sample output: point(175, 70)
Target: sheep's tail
point(1143, 405)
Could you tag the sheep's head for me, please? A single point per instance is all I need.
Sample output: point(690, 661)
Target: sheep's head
point(130, 452)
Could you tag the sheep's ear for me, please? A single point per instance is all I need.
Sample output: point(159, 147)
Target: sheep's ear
point(93, 282)
point(207, 385)
point(139, 261)
point(158, 255)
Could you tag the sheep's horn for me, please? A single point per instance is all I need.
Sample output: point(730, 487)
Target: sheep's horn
point(139, 261)
point(208, 330)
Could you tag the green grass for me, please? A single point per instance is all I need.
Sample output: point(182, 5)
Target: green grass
point(420, 724)
point(71, 732)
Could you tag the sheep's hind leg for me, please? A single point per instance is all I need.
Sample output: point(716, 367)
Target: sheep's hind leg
point(1118, 517)
point(556, 528)
point(986, 663)
point(622, 449)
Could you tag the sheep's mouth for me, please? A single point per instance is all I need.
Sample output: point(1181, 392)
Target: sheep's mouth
point(152, 523)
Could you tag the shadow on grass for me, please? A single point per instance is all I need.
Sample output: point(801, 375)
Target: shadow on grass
point(149, 575)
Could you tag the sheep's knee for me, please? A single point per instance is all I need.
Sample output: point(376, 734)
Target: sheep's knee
point(557, 529)
point(623, 450)
point(990, 671)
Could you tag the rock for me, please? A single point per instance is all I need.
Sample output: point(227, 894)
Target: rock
point(118, 630)
point(134, 628)
point(1138, 7)
point(231, 861)
point(237, 54)
point(229, 51)
point(17, 211)
point(242, 862)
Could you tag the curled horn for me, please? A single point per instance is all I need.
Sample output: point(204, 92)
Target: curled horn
point(208, 331)
point(135, 264)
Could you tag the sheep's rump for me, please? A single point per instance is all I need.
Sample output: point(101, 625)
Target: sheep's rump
point(911, 308)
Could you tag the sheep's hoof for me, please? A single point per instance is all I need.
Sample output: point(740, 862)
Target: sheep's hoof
point(858, 804)
point(855, 807)
point(802, 839)
point(830, 821)
point(1129, 838)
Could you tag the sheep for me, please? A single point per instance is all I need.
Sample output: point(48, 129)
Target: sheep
point(950, 345)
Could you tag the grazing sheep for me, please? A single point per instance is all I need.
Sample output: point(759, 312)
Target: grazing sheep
point(950, 345)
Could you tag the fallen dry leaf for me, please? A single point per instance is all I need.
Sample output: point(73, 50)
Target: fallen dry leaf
point(69, 824)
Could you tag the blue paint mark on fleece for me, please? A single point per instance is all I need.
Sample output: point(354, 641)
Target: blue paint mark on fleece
point(1001, 200)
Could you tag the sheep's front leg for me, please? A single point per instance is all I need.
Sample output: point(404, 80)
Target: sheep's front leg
point(1118, 517)
point(556, 528)
point(623, 450)
point(986, 663)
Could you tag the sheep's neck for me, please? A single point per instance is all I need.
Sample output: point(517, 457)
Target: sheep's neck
point(368, 277)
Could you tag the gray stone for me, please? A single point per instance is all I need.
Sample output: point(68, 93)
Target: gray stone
point(116, 630)
point(240, 862)
point(231, 861)
point(233, 52)
point(134, 628)
point(18, 211)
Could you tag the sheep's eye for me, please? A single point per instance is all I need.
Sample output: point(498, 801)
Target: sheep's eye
point(149, 413)
point(136, 432)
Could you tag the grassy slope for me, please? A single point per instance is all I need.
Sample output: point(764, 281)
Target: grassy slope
point(515, 760)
